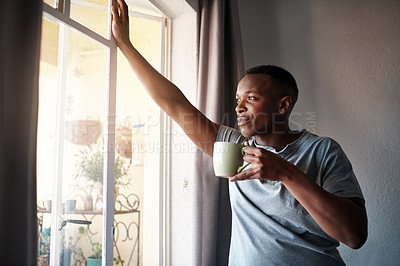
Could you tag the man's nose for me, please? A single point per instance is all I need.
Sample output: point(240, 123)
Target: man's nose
point(240, 107)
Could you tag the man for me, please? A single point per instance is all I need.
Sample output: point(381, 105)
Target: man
point(299, 197)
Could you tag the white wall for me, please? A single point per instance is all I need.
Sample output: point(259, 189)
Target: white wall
point(184, 75)
point(345, 56)
point(183, 70)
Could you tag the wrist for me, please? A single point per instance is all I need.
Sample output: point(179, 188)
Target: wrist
point(290, 174)
point(124, 46)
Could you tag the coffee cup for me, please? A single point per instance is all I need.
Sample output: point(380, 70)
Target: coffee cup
point(228, 158)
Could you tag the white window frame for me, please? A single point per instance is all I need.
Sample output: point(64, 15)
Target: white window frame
point(109, 138)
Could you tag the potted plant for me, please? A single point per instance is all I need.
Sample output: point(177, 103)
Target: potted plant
point(95, 259)
point(90, 165)
point(70, 249)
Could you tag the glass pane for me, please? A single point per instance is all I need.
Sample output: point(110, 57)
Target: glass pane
point(46, 134)
point(82, 154)
point(76, 103)
point(50, 2)
point(137, 144)
point(92, 14)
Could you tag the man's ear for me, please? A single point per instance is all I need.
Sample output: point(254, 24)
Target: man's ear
point(285, 104)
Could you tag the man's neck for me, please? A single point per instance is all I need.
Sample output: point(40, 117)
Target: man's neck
point(278, 139)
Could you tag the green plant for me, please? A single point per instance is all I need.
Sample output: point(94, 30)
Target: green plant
point(90, 165)
point(69, 246)
point(118, 260)
point(95, 246)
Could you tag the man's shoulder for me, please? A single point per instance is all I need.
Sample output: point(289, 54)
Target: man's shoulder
point(322, 147)
point(229, 134)
point(321, 141)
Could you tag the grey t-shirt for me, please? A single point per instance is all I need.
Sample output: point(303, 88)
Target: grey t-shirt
point(269, 226)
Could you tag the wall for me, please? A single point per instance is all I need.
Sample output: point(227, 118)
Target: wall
point(346, 58)
point(178, 207)
point(184, 75)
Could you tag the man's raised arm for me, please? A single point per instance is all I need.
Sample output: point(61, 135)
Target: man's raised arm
point(171, 100)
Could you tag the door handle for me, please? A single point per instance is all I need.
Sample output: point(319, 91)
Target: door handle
point(64, 223)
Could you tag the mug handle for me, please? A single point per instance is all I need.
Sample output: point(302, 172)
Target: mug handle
point(240, 169)
point(242, 150)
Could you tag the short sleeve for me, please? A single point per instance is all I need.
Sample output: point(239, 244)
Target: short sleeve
point(338, 176)
point(229, 134)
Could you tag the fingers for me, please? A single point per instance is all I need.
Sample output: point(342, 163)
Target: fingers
point(238, 177)
point(114, 12)
point(119, 9)
point(247, 174)
point(123, 9)
point(249, 150)
point(251, 159)
point(114, 8)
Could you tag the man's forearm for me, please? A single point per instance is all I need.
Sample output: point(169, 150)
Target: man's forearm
point(172, 101)
point(343, 219)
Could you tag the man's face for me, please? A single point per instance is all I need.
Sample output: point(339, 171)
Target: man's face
point(257, 99)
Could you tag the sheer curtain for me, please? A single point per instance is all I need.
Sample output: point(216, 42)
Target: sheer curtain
point(19, 68)
point(220, 68)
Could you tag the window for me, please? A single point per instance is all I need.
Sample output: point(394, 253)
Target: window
point(96, 122)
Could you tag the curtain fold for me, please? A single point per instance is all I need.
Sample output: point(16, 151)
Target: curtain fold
point(19, 70)
point(220, 69)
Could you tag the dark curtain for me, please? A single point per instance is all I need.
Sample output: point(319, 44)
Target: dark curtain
point(220, 69)
point(20, 43)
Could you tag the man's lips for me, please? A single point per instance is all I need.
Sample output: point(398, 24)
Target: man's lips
point(242, 120)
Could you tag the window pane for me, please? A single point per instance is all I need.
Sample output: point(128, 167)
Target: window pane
point(74, 100)
point(137, 143)
point(82, 176)
point(46, 133)
point(92, 14)
point(50, 2)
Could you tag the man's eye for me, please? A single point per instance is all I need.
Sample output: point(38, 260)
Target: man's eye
point(237, 100)
point(252, 98)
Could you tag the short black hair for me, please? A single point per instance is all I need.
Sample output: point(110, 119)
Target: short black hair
point(280, 75)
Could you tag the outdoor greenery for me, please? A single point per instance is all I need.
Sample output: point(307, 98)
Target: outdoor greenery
point(95, 246)
point(90, 165)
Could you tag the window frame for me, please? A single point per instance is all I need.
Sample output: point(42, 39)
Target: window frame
point(61, 12)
